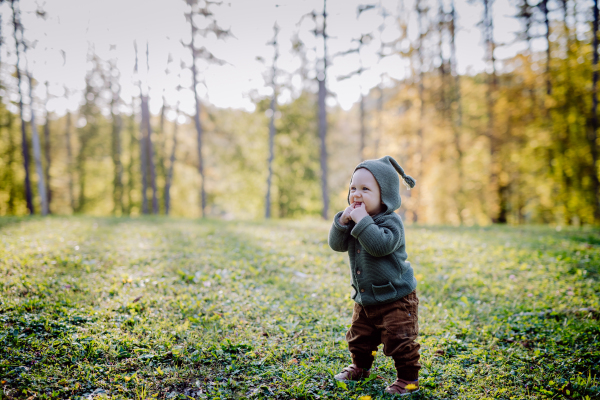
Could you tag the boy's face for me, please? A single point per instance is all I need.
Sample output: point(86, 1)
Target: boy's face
point(365, 189)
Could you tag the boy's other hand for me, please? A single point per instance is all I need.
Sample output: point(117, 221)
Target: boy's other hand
point(359, 212)
point(345, 217)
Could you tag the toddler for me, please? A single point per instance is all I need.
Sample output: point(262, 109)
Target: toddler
point(386, 303)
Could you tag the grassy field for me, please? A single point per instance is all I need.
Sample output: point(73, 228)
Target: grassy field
point(160, 308)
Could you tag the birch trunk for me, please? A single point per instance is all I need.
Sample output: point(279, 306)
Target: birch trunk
point(69, 161)
point(593, 133)
point(169, 176)
point(24, 144)
point(272, 125)
point(37, 151)
point(323, 118)
point(47, 153)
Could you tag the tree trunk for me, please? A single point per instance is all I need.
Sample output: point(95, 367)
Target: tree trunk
point(495, 184)
point(10, 180)
point(150, 147)
point(457, 120)
point(143, 156)
point(544, 7)
point(363, 128)
point(47, 152)
point(272, 125)
point(323, 118)
point(420, 148)
point(24, 144)
point(37, 151)
point(131, 164)
point(117, 126)
point(197, 122)
point(593, 135)
point(169, 176)
point(69, 161)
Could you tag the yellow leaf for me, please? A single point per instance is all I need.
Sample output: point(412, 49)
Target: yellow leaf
point(411, 387)
point(127, 378)
point(364, 398)
point(159, 371)
point(374, 353)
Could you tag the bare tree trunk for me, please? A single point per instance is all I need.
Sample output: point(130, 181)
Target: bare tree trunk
point(273, 108)
point(47, 151)
point(69, 161)
point(323, 118)
point(130, 165)
point(544, 7)
point(117, 125)
point(24, 145)
point(496, 185)
point(169, 176)
point(143, 154)
point(593, 133)
point(363, 128)
point(420, 147)
point(10, 181)
point(148, 151)
point(150, 147)
point(197, 122)
point(37, 152)
point(457, 121)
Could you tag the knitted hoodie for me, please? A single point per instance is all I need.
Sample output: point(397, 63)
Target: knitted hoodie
point(376, 245)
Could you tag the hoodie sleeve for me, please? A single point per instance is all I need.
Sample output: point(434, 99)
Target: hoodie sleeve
point(378, 240)
point(339, 234)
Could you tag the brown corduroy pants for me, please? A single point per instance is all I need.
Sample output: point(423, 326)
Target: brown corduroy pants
point(393, 324)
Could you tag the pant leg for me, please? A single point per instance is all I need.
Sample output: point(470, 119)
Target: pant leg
point(399, 335)
point(363, 338)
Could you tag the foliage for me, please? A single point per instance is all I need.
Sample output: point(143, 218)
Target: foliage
point(168, 308)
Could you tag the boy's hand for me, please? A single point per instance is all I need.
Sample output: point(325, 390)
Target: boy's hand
point(345, 217)
point(359, 212)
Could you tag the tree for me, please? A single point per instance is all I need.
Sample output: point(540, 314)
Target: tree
point(37, 150)
point(24, 144)
point(272, 108)
point(322, 94)
point(116, 126)
point(68, 145)
point(47, 148)
point(204, 54)
point(593, 131)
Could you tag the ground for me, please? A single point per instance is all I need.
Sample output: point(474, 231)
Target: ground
point(167, 308)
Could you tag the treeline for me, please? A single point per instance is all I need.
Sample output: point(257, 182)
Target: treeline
point(515, 144)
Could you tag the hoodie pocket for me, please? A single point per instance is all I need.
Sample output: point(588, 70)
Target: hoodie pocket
point(384, 293)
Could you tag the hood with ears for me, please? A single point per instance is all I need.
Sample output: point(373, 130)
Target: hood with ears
point(386, 171)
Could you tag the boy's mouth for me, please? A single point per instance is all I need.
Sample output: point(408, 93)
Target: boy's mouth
point(357, 204)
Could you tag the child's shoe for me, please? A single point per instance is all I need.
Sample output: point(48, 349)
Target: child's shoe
point(352, 373)
point(402, 387)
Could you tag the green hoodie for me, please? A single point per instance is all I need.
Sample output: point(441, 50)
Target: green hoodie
point(376, 245)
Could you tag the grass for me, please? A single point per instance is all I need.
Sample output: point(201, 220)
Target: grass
point(163, 308)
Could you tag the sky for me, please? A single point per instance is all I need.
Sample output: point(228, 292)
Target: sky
point(61, 44)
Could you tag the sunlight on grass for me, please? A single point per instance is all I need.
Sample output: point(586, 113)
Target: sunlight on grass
point(162, 308)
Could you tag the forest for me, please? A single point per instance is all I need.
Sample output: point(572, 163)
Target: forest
point(516, 142)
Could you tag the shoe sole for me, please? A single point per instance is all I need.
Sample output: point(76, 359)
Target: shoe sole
point(404, 394)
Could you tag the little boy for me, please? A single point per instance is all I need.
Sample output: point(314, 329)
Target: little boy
point(386, 303)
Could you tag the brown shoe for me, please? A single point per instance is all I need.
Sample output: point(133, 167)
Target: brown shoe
point(402, 387)
point(352, 373)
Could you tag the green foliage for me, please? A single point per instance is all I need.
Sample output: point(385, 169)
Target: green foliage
point(166, 308)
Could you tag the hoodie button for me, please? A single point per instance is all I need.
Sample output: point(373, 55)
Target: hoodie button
point(362, 290)
point(358, 272)
point(358, 251)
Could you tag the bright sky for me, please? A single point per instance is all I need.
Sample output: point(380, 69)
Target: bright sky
point(110, 27)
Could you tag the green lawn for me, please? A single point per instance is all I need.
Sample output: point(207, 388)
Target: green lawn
point(164, 308)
